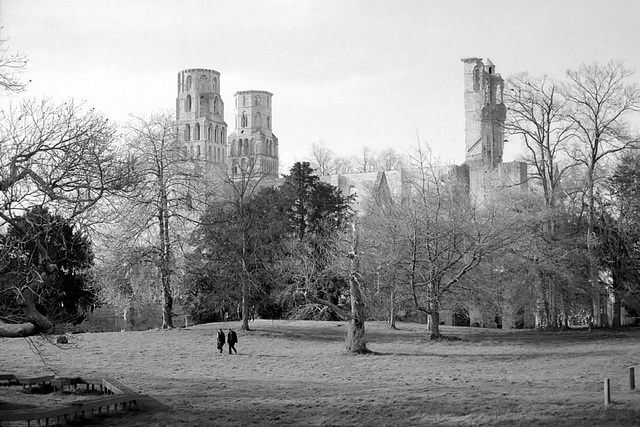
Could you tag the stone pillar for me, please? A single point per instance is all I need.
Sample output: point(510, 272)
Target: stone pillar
point(475, 317)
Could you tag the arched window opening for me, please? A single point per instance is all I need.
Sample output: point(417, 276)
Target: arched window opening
point(197, 136)
point(243, 120)
point(257, 100)
point(204, 106)
point(202, 86)
point(198, 151)
point(187, 133)
point(210, 153)
point(476, 79)
point(461, 316)
point(188, 82)
point(215, 85)
point(268, 122)
point(187, 104)
point(246, 146)
point(209, 132)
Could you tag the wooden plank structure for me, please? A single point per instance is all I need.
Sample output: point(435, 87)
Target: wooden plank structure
point(115, 394)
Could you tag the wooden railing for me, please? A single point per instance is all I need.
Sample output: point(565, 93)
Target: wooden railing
point(115, 394)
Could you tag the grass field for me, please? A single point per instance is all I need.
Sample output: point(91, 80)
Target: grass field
point(297, 374)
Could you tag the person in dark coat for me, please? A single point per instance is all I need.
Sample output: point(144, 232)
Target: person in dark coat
point(232, 339)
point(220, 339)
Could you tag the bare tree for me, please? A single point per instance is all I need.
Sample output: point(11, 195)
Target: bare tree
point(447, 234)
point(11, 65)
point(600, 100)
point(388, 160)
point(536, 114)
point(64, 159)
point(322, 159)
point(155, 219)
point(366, 161)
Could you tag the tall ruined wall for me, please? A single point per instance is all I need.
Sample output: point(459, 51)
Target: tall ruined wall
point(200, 116)
point(511, 175)
point(253, 145)
point(484, 113)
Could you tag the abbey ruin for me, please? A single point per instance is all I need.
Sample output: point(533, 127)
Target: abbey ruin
point(252, 143)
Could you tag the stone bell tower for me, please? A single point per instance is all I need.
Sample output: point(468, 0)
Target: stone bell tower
point(200, 116)
point(485, 113)
point(253, 147)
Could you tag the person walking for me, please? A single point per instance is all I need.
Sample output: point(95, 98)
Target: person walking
point(220, 339)
point(232, 339)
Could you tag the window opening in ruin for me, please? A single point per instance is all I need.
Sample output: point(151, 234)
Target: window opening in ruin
point(257, 100)
point(197, 138)
point(187, 133)
point(476, 79)
point(187, 104)
point(188, 82)
point(243, 120)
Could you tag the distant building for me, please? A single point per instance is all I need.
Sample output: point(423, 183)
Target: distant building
point(253, 143)
point(200, 116)
point(203, 131)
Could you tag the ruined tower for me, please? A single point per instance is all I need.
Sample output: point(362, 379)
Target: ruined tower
point(200, 115)
point(253, 147)
point(485, 113)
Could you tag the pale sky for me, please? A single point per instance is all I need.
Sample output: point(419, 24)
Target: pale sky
point(346, 73)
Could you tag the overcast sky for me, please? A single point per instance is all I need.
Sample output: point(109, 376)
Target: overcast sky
point(345, 73)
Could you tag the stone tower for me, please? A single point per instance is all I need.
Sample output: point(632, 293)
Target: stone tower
point(200, 116)
point(485, 113)
point(253, 147)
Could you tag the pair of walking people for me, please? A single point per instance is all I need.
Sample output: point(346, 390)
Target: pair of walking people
point(232, 339)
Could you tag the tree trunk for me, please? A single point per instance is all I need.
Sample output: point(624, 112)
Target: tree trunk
point(165, 260)
point(245, 284)
point(128, 315)
point(167, 306)
point(35, 322)
point(245, 306)
point(392, 310)
point(356, 342)
point(617, 312)
point(596, 297)
point(434, 316)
